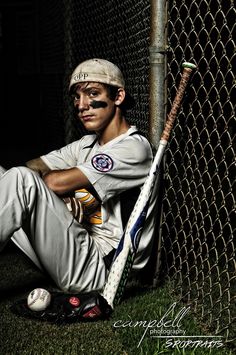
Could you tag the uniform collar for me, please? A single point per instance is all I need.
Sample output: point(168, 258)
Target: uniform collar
point(132, 130)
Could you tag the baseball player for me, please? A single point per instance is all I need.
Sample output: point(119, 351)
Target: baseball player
point(67, 209)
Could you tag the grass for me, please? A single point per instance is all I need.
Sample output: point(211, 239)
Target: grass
point(126, 333)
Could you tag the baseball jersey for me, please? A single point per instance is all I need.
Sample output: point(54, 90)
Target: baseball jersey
point(116, 170)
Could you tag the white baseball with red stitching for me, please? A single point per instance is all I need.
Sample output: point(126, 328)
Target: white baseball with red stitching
point(38, 299)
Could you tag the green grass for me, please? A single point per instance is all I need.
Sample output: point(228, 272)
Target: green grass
point(140, 306)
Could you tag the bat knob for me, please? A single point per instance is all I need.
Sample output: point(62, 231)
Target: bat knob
point(189, 65)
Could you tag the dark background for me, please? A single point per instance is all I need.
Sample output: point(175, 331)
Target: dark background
point(41, 42)
point(31, 75)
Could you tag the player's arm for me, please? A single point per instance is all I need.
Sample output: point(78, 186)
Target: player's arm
point(38, 165)
point(65, 181)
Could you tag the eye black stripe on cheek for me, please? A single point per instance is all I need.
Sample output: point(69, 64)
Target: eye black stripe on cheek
point(98, 104)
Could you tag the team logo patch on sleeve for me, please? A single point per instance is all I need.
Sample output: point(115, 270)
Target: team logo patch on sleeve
point(102, 162)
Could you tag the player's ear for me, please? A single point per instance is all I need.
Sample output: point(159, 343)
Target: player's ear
point(120, 96)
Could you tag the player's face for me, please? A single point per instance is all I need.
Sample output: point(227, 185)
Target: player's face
point(94, 107)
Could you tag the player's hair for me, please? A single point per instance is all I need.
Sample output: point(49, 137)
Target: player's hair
point(128, 102)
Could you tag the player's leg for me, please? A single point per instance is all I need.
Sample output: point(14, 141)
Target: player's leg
point(63, 247)
point(21, 240)
point(2, 170)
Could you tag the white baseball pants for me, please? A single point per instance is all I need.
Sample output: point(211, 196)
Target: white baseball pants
point(38, 222)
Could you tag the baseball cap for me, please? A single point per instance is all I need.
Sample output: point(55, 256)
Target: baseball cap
point(97, 70)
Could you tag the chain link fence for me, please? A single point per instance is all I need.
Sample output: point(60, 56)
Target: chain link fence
point(199, 214)
point(199, 211)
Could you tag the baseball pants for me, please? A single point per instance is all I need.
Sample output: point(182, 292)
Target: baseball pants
point(38, 222)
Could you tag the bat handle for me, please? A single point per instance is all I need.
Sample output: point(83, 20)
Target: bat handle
point(187, 70)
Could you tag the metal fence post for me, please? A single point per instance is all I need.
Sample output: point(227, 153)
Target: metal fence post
point(157, 69)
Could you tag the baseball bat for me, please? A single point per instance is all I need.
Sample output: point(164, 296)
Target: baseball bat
point(128, 245)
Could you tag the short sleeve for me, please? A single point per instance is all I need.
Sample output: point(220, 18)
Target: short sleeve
point(112, 170)
point(64, 158)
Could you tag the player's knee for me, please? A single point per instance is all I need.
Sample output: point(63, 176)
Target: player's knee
point(19, 170)
point(23, 170)
point(24, 173)
point(22, 176)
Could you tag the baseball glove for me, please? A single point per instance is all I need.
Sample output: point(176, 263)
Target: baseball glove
point(67, 308)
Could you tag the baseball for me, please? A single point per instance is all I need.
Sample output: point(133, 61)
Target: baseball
point(38, 299)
